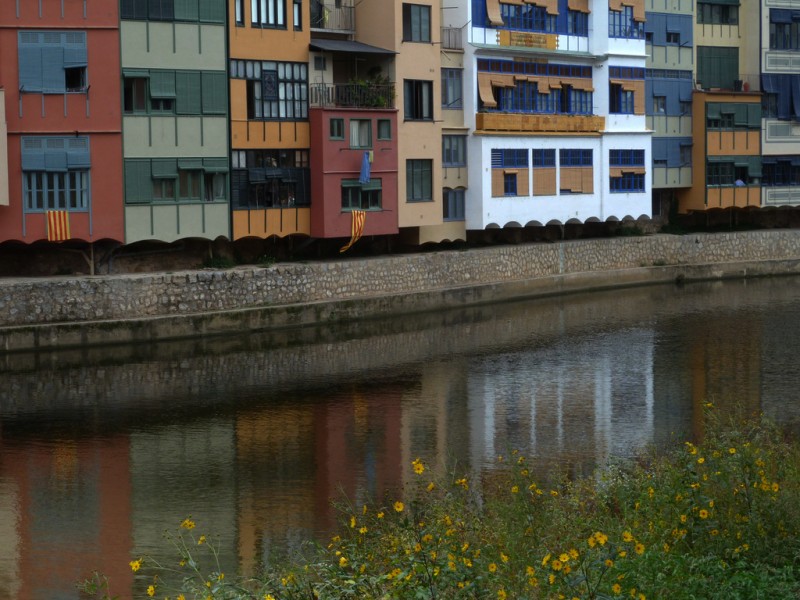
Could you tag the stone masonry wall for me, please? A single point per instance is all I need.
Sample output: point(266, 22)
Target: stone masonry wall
point(27, 302)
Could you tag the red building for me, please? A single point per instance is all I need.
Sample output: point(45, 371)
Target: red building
point(63, 115)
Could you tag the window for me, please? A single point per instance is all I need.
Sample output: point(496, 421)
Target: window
point(55, 173)
point(215, 186)
point(784, 29)
point(360, 133)
point(577, 23)
point(769, 105)
point(575, 157)
point(275, 90)
point(239, 8)
point(320, 63)
point(358, 196)
point(161, 10)
point(134, 97)
point(620, 100)
point(627, 168)
point(717, 66)
point(525, 97)
point(337, 129)
point(52, 62)
point(206, 11)
point(686, 155)
point(622, 25)
point(454, 151)
point(268, 13)
point(686, 107)
point(527, 17)
point(673, 38)
point(717, 14)
point(453, 204)
point(419, 180)
point(384, 129)
point(297, 16)
point(452, 88)
point(270, 178)
point(543, 158)
point(189, 184)
point(659, 105)
point(418, 100)
point(781, 171)
point(720, 173)
point(416, 23)
point(510, 158)
point(510, 184)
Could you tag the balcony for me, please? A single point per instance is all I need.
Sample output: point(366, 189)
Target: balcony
point(452, 39)
point(335, 16)
point(527, 124)
point(351, 95)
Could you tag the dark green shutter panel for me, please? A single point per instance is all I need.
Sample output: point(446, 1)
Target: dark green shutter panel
point(212, 11)
point(162, 84)
point(187, 87)
point(713, 110)
point(215, 165)
point(165, 168)
point(186, 10)
point(138, 184)
point(754, 116)
point(215, 97)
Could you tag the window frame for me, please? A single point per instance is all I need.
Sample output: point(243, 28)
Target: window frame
point(419, 180)
point(453, 204)
point(452, 88)
point(336, 128)
point(355, 197)
point(268, 14)
point(415, 28)
point(382, 126)
point(415, 105)
point(454, 151)
point(363, 134)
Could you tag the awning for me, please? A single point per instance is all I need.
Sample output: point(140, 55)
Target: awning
point(485, 90)
point(349, 46)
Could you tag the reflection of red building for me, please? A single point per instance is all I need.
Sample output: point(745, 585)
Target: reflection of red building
point(63, 114)
point(68, 497)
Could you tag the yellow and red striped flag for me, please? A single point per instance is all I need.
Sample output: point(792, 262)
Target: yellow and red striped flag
point(356, 228)
point(57, 225)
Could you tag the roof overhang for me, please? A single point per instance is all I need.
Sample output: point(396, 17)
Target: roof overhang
point(348, 46)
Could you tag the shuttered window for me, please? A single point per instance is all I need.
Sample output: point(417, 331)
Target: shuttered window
point(188, 93)
point(52, 62)
point(215, 97)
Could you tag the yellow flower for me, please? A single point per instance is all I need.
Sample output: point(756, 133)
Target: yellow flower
point(683, 518)
point(221, 576)
point(362, 531)
point(703, 513)
point(627, 536)
point(514, 489)
point(563, 557)
point(399, 506)
point(431, 486)
point(701, 460)
point(501, 595)
point(775, 487)
point(180, 597)
point(551, 579)
point(574, 554)
point(731, 450)
point(622, 554)
point(546, 559)
point(530, 571)
point(342, 562)
point(136, 564)
point(639, 548)
point(419, 468)
point(609, 563)
point(556, 565)
point(503, 557)
point(601, 538)
point(201, 540)
point(492, 567)
point(616, 588)
point(269, 597)
point(352, 522)
point(187, 524)
point(151, 590)
point(380, 515)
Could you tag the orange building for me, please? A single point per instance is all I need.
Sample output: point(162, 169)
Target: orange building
point(63, 117)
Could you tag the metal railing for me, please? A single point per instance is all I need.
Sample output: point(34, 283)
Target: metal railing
point(333, 16)
point(352, 95)
point(452, 39)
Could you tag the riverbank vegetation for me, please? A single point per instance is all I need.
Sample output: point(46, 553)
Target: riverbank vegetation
point(715, 518)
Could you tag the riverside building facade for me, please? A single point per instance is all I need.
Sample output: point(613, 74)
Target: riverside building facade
point(131, 121)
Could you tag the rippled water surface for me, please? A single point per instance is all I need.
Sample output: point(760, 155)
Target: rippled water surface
point(101, 450)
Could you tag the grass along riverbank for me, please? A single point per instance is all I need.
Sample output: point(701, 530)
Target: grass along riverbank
point(716, 519)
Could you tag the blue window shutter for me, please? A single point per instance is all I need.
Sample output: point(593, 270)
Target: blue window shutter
point(795, 81)
point(53, 69)
point(187, 93)
point(55, 160)
point(30, 68)
point(32, 153)
point(214, 93)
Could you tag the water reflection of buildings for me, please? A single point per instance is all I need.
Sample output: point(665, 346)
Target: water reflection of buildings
point(253, 437)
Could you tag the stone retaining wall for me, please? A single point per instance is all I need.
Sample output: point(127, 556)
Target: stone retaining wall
point(75, 310)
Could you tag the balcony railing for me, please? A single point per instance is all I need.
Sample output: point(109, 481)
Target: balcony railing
point(352, 95)
point(451, 38)
point(333, 16)
point(747, 82)
point(527, 124)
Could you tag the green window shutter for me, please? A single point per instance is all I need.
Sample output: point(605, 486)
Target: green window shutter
point(754, 167)
point(138, 184)
point(165, 168)
point(713, 110)
point(162, 84)
point(212, 11)
point(754, 116)
point(190, 164)
point(215, 97)
point(187, 84)
point(186, 10)
point(215, 165)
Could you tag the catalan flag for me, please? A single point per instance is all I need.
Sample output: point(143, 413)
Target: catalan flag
point(356, 228)
point(57, 225)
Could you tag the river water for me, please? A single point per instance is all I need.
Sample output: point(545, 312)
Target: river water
point(102, 450)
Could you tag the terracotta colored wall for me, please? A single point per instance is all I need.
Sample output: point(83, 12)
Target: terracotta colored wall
point(333, 160)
